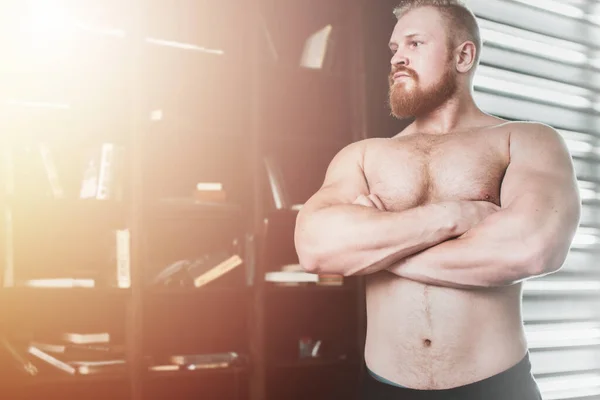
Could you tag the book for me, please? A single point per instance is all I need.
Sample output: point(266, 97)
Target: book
point(198, 272)
point(214, 268)
point(101, 178)
point(60, 283)
point(330, 280)
point(99, 367)
point(173, 275)
point(51, 172)
point(123, 238)
point(210, 192)
point(205, 361)
point(51, 360)
point(73, 351)
point(86, 338)
point(276, 184)
point(293, 274)
point(291, 277)
point(163, 368)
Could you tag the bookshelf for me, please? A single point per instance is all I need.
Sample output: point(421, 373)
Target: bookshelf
point(65, 192)
point(142, 257)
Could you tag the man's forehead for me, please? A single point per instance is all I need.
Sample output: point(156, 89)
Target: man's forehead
point(420, 21)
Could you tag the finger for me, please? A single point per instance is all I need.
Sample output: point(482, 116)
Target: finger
point(358, 199)
point(364, 201)
point(494, 207)
point(377, 201)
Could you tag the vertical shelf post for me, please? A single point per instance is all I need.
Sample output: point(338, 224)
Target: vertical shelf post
point(257, 345)
point(135, 208)
point(8, 266)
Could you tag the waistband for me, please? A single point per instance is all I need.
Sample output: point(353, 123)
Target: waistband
point(383, 380)
point(517, 379)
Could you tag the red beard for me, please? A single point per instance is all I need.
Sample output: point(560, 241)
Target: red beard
point(415, 101)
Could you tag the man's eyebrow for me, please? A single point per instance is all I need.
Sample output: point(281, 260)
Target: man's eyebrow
point(412, 35)
point(409, 36)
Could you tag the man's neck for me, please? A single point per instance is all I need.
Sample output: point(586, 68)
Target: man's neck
point(459, 113)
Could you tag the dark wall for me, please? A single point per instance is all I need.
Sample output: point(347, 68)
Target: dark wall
point(379, 23)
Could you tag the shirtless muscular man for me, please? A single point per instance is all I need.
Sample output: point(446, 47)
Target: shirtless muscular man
point(446, 219)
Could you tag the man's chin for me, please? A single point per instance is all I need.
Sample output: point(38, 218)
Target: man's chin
point(403, 87)
point(402, 114)
point(407, 108)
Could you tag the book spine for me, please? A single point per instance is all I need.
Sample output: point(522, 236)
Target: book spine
point(106, 172)
point(90, 180)
point(51, 172)
point(123, 259)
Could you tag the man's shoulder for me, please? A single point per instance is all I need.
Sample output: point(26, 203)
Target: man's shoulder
point(533, 133)
point(355, 151)
point(538, 143)
point(362, 145)
point(359, 150)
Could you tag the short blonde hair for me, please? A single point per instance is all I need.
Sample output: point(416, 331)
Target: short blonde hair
point(461, 22)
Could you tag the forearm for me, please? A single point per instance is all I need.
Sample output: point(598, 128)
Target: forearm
point(499, 252)
point(355, 240)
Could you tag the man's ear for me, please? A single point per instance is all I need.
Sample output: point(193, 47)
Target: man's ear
point(465, 57)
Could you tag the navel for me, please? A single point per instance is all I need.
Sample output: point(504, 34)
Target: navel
point(427, 341)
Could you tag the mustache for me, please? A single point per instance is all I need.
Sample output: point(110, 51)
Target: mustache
point(404, 70)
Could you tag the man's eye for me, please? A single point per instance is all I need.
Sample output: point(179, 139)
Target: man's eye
point(414, 43)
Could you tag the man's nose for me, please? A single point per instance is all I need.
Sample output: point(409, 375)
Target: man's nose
point(398, 59)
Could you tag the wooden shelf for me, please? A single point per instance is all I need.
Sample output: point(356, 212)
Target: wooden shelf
point(19, 304)
point(188, 208)
point(158, 293)
point(309, 289)
point(73, 207)
point(195, 373)
point(68, 379)
point(16, 294)
point(313, 363)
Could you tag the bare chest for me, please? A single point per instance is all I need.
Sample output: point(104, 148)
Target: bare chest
point(410, 171)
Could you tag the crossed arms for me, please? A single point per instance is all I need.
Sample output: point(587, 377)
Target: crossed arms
point(459, 244)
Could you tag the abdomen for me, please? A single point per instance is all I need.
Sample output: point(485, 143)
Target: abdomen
point(428, 337)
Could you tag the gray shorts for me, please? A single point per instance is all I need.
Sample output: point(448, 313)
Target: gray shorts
point(516, 383)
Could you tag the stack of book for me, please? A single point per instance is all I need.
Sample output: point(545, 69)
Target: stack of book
point(79, 354)
point(294, 275)
point(199, 272)
point(191, 362)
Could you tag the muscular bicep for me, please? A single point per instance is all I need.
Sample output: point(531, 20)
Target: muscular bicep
point(540, 176)
point(540, 167)
point(344, 180)
point(539, 192)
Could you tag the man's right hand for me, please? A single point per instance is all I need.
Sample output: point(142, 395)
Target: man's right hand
point(465, 214)
point(372, 200)
point(471, 213)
